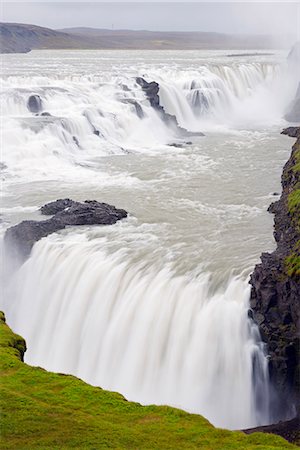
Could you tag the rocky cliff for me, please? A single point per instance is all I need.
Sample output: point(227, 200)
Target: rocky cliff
point(275, 293)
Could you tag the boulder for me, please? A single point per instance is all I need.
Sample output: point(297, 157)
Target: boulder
point(34, 104)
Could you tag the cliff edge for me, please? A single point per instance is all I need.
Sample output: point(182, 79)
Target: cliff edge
point(275, 293)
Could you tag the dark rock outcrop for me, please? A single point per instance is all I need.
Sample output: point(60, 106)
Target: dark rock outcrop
point(275, 293)
point(151, 91)
point(52, 208)
point(292, 132)
point(34, 104)
point(289, 430)
point(20, 238)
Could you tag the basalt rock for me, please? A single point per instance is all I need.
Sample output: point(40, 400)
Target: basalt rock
point(151, 91)
point(34, 104)
point(275, 293)
point(292, 132)
point(21, 238)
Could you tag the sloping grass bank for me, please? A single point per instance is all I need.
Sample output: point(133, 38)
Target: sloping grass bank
point(43, 410)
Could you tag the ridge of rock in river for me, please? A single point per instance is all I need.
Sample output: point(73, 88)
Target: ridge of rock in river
point(21, 238)
point(275, 293)
point(151, 91)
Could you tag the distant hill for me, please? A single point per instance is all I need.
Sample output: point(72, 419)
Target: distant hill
point(21, 38)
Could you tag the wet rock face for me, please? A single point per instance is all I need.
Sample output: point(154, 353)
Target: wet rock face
point(275, 295)
point(34, 104)
point(22, 237)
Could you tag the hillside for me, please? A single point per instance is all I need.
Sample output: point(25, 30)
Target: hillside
point(43, 410)
point(21, 38)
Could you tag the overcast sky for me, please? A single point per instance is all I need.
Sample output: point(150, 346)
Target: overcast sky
point(228, 17)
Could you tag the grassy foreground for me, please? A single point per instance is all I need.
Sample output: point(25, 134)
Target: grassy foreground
point(43, 410)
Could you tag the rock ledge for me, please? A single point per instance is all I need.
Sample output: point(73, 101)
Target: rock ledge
point(21, 237)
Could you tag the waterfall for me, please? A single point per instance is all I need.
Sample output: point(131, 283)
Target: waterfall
point(224, 94)
point(153, 336)
point(130, 323)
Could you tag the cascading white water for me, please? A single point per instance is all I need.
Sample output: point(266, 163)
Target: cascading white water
point(155, 337)
point(157, 308)
point(95, 116)
point(230, 94)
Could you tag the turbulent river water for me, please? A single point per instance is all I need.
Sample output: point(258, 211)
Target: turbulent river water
point(156, 306)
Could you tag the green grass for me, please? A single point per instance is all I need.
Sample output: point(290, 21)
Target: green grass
point(292, 261)
point(43, 410)
point(294, 202)
point(296, 167)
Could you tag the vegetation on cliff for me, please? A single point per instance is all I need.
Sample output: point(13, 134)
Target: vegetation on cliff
point(292, 261)
point(43, 410)
point(275, 294)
